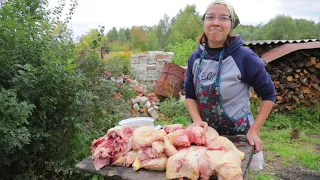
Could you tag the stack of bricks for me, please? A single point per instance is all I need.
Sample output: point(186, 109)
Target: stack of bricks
point(147, 67)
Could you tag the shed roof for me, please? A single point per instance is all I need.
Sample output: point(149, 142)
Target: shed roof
point(266, 42)
point(286, 49)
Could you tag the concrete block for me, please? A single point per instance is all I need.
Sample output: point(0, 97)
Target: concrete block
point(151, 67)
point(151, 72)
point(147, 105)
point(135, 60)
point(143, 100)
point(143, 60)
point(141, 73)
point(153, 113)
point(136, 55)
point(141, 67)
point(156, 108)
point(136, 107)
point(152, 61)
point(152, 56)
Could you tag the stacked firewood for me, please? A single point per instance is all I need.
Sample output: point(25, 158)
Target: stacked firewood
point(296, 77)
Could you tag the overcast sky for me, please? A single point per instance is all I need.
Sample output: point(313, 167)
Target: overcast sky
point(127, 13)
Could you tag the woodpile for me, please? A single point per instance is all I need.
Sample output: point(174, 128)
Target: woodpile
point(296, 78)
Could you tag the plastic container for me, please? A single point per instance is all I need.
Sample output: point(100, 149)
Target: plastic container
point(257, 161)
point(138, 122)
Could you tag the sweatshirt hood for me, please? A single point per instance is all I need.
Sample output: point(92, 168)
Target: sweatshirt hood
point(228, 50)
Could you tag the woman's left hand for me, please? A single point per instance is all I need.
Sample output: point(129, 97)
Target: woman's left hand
point(254, 140)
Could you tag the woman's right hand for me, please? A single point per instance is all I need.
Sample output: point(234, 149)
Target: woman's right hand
point(202, 124)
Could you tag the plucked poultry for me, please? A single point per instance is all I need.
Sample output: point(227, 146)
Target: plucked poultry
point(190, 152)
point(191, 163)
point(112, 148)
point(151, 148)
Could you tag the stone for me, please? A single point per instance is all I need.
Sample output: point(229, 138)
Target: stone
point(151, 67)
point(153, 113)
point(136, 107)
point(147, 105)
point(143, 100)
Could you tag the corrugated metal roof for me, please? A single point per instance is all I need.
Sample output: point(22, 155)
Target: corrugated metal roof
point(264, 42)
point(286, 49)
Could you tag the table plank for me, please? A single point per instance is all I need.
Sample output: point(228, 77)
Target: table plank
point(121, 172)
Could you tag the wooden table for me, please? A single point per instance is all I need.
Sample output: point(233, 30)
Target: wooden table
point(121, 172)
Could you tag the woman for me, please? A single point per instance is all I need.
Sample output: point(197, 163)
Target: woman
point(220, 75)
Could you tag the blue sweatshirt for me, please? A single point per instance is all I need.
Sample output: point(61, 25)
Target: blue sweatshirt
point(241, 70)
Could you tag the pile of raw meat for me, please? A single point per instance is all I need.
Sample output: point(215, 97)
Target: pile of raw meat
point(190, 152)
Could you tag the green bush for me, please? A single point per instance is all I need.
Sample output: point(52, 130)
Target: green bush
point(13, 119)
point(119, 63)
point(182, 51)
point(90, 63)
point(51, 107)
point(175, 110)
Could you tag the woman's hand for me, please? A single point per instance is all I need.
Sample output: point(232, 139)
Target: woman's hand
point(254, 140)
point(202, 124)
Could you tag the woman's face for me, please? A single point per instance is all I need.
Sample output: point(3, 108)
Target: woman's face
point(217, 25)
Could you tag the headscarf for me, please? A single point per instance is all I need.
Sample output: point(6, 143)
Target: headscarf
point(234, 17)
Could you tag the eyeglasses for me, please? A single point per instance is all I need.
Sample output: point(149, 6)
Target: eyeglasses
point(211, 18)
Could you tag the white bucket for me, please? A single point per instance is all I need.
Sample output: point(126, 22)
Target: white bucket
point(138, 122)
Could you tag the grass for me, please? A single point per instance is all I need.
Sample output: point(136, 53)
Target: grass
point(276, 136)
point(302, 150)
point(265, 177)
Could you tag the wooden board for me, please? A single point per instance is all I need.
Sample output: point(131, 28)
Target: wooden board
point(121, 172)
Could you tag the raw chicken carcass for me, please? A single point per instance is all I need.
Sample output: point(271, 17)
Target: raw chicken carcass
point(211, 134)
point(125, 132)
point(223, 143)
point(189, 163)
point(158, 164)
point(192, 135)
point(179, 138)
point(119, 160)
point(102, 155)
point(227, 164)
point(144, 136)
point(169, 149)
point(110, 148)
point(95, 143)
point(130, 157)
point(158, 146)
point(170, 128)
point(197, 135)
point(145, 158)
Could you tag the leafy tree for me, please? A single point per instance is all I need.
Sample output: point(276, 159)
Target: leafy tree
point(281, 27)
point(182, 51)
point(186, 25)
point(152, 42)
point(94, 38)
point(318, 30)
point(306, 29)
point(122, 37)
point(112, 35)
point(249, 32)
point(127, 31)
point(138, 36)
point(162, 31)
